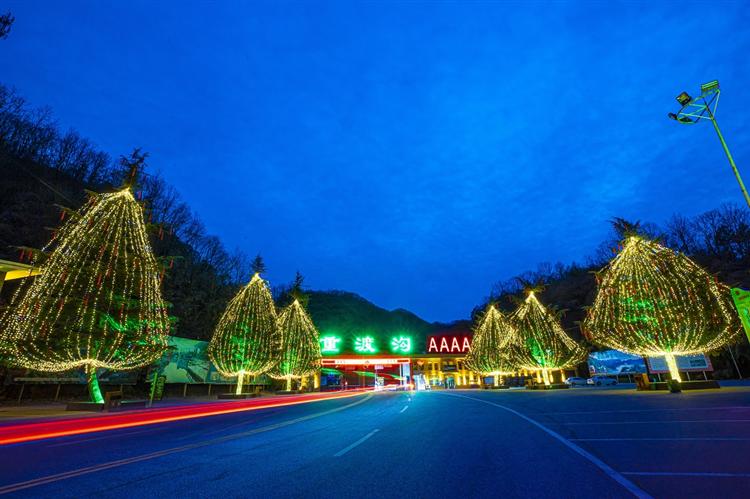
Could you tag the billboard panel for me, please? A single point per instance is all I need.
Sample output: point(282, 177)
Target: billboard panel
point(186, 361)
point(696, 362)
point(615, 362)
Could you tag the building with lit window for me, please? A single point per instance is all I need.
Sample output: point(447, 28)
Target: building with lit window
point(399, 358)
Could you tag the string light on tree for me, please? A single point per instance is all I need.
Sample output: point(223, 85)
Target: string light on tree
point(655, 302)
point(540, 343)
point(247, 336)
point(97, 303)
point(487, 353)
point(300, 347)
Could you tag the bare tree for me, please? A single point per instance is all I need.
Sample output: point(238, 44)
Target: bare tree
point(6, 21)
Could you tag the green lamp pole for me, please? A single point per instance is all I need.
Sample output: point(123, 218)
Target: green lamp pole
point(696, 109)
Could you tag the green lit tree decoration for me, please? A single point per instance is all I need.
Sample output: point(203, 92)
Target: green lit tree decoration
point(540, 343)
point(487, 354)
point(246, 338)
point(300, 346)
point(97, 303)
point(653, 301)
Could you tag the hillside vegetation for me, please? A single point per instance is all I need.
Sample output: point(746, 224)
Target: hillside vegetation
point(44, 168)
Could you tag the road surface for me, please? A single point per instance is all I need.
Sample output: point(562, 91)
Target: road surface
point(568, 443)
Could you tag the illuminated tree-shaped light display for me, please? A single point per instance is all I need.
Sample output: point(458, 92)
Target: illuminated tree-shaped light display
point(97, 302)
point(540, 343)
point(300, 346)
point(487, 354)
point(655, 302)
point(247, 336)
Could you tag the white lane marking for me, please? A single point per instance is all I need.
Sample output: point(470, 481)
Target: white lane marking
point(607, 469)
point(663, 439)
point(743, 407)
point(15, 487)
point(402, 410)
point(350, 447)
point(118, 435)
point(677, 473)
point(655, 422)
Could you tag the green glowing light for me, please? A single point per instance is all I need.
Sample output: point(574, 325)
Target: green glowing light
point(329, 344)
point(364, 344)
point(401, 344)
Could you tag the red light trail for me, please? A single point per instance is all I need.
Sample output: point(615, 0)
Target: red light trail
point(18, 433)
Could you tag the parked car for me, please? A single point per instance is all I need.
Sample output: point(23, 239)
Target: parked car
point(575, 381)
point(601, 381)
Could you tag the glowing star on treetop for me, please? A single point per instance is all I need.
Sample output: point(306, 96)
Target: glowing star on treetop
point(653, 301)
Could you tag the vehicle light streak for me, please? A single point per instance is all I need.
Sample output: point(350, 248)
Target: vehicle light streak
point(12, 434)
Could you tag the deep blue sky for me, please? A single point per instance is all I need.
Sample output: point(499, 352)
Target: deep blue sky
point(414, 153)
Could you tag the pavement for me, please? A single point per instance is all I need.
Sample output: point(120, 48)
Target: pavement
point(583, 442)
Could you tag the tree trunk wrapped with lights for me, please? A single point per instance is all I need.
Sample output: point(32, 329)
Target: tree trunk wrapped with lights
point(246, 338)
point(540, 343)
point(655, 302)
point(487, 354)
point(300, 346)
point(97, 302)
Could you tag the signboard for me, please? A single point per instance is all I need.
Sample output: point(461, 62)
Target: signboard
point(330, 344)
point(448, 344)
point(157, 387)
point(366, 344)
point(615, 362)
point(186, 361)
point(401, 344)
point(696, 362)
point(741, 300)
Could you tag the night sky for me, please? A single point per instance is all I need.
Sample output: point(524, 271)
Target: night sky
point(413, 153)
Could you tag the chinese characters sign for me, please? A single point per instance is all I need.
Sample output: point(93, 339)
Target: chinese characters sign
point(331, 344)
point(401, 344)
point(364, 344)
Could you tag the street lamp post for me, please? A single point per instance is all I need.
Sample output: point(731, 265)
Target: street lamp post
point(696, 109)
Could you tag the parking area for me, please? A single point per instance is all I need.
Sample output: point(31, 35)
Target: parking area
point(692, 444)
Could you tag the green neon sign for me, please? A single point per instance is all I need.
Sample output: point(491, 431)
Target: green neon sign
point(401, 344)
point(364, 344)
point(329, 344)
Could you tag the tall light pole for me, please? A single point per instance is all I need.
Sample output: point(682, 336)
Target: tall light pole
point(699, 108)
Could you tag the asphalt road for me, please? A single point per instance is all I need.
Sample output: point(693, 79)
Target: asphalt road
point(570, 443)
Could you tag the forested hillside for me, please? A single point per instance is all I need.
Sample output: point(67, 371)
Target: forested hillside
point(44, 169)
point(347, 315)
point(718, 240)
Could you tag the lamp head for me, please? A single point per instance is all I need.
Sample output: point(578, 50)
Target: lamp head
point(684, 99)
point(710, 86)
